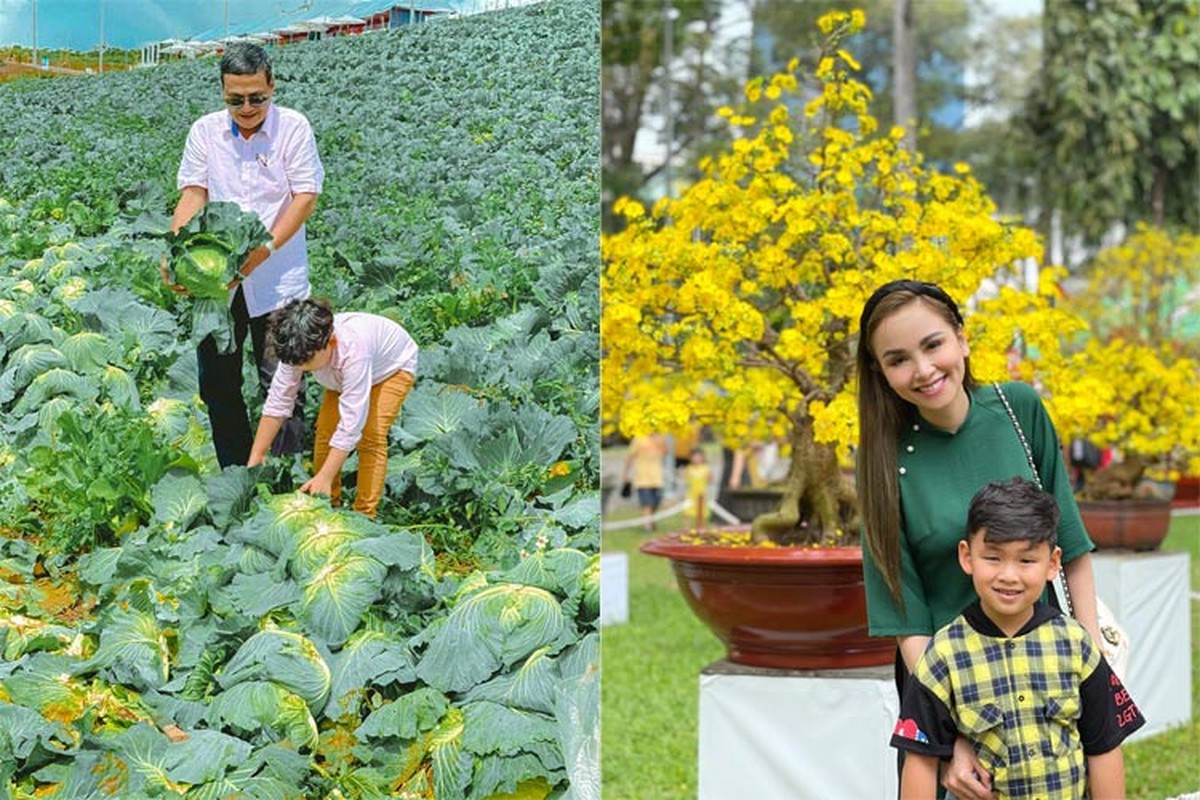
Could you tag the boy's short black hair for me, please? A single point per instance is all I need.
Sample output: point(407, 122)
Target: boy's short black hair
point(1014, 511)
point(299, 329)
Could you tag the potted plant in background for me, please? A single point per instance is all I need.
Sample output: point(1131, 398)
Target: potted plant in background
point(736, 306)
point(1141, 364)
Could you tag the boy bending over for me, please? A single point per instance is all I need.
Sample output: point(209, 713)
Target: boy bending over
point(367, 365)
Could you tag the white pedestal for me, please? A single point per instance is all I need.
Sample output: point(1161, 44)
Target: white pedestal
point(614, 588)
point(1148, 593)
point(805, 735)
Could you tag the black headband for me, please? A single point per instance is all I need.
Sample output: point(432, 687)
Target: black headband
point(916, 287)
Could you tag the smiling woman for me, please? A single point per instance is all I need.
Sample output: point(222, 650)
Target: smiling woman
point(923, 358)
point(929, 439)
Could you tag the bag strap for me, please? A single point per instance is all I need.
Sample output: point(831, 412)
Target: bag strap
point(1060, 584)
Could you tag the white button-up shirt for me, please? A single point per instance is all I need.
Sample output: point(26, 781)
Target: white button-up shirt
point(368, 350)
point(261, 174)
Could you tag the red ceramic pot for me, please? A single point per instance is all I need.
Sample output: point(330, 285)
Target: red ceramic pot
point(1126, 524)
point(779, 607)
point(1187, 492)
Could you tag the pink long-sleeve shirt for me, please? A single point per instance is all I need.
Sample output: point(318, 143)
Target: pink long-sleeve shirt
point(368, 349)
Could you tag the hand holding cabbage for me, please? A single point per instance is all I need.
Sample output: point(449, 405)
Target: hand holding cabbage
point(206, 253)
point(204, 257)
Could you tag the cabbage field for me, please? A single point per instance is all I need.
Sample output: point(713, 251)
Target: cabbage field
point(171, 630)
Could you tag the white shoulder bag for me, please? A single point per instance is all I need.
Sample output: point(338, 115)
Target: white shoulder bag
point(1114, 641)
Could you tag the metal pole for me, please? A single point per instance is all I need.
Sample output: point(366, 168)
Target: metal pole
point(225, 19)
point(101, 36)
point(35, 57)
point(668, 46)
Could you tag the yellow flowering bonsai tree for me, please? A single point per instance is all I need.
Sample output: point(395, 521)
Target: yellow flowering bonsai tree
point(1146, 289)
point(737, 304)
point(1140, 362)
point(1142, 400)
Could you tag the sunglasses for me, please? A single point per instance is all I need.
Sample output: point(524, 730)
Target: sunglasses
point(256, 100)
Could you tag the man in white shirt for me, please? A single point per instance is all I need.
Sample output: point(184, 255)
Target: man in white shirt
point(264, 158)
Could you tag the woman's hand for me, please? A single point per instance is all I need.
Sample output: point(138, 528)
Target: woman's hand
point(964, 776)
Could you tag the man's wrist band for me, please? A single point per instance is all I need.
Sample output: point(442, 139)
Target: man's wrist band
point(271, 247)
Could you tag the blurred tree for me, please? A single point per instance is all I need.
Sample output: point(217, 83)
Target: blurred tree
point(703, 77)
point(1006, 61)
point(942, 47)
point(904, 72)
point(1116, 114)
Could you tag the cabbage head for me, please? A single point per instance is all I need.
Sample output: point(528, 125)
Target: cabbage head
point(266, 708)
point(206, 267)
point(284, 658)
point(283, 522)
point(590, 581)
point(207, 251)
point(203, 257)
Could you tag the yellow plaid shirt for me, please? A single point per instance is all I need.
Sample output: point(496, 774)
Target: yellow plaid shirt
point(1033, 705)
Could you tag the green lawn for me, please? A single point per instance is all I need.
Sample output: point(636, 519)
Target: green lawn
point(651, 686)
point(1169, 764)
point(649, 691)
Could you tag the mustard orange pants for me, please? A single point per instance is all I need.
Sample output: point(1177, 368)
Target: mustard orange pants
point(386, 398)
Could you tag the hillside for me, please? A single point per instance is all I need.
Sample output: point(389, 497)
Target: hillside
point(171, 630)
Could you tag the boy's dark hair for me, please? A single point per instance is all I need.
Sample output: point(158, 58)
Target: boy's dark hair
point(1014, 511)
point(299, 329)
point(244, 58)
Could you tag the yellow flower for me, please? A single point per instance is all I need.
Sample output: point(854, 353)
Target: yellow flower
point(629, 208)
point(754, 90)
point(849, 59)
point(736, 304)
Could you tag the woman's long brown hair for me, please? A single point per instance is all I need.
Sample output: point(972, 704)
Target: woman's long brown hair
point(882, 415)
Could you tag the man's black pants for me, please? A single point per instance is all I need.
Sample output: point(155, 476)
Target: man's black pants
point(221, 390)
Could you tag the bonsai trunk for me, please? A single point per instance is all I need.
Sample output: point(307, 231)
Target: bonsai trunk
point(1115, 482)
point(817, 500)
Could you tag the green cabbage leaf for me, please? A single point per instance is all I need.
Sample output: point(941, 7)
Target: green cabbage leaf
point(493, 628)
point(204, 256)
point(284, 657)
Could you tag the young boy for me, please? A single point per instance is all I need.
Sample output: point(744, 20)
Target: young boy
point(1023, 683)
point(367, 365)
point(698, 474)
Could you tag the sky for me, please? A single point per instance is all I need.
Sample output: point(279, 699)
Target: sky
point(76, 24)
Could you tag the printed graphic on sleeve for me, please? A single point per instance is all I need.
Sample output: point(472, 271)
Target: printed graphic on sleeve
point(907, 729)
point(1127, 711)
